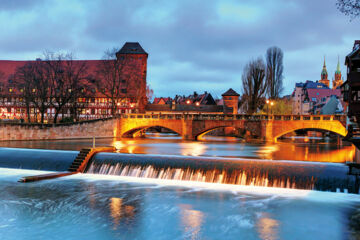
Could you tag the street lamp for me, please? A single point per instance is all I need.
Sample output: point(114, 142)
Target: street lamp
point(271, 104)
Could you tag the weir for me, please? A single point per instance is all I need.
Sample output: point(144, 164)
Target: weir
point(266, 173)
point(283, 174)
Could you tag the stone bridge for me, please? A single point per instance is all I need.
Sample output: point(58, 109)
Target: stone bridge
point(265, 127)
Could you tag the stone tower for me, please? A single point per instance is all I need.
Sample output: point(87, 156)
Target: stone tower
point(231, 101)
point(338, 81)
point(324, 76)
point(133, 64)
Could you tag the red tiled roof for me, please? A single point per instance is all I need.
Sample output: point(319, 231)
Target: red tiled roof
point(321, 93)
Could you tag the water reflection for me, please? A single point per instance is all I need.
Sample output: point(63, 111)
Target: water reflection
point(115, 210)
point(193, 149)
point(267, 227)
point(191, 221)
point(296, 149)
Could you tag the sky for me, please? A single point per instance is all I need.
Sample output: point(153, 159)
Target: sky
point(193, 45)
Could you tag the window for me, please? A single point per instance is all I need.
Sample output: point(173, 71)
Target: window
point(317, 94)
point(123, 90)
point(33, 90)
point(10, 89)
point(313, 99)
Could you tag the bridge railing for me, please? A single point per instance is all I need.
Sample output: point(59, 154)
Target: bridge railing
point(225, 117)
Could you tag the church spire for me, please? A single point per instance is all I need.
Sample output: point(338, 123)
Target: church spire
point(324, 73)
point(338, 70)
point(337, 82)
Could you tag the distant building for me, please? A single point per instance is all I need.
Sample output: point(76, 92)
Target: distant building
point(162, 100)
point(310, 97)
point(231, 101)
point(195, 102)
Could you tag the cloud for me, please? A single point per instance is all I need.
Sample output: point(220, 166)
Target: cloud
point(192, 44)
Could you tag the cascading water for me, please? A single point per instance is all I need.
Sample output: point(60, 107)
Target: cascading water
point(283, 174)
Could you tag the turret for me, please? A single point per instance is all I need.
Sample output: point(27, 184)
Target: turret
point(133, 71)
point(231, 101)
point(324, 75)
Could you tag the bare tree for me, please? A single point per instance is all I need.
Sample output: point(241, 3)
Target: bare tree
point(67, 77)
point(112, 85)
point(36, 86)
point(253, 83)
point(349, 7)
point(23, 78)
point(274, 72)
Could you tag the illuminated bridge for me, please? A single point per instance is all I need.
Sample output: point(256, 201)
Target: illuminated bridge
point(265, 127)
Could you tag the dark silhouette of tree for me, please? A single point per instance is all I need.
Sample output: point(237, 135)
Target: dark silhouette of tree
point(23, 78)
point(68, 79)
point(112, 86)
point(274, 72)
point(253, 83)
point(36, 87)
point(350, 8)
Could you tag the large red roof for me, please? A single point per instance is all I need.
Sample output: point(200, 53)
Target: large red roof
point(8, 67)
point(321, 93)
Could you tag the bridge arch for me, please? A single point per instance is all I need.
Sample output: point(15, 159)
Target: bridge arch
point(131, 132)
point(199, 135)
point(340, 131)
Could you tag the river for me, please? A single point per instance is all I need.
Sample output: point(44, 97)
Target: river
point(93, 206)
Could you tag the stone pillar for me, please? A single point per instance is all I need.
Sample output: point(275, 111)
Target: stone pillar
point(267, 130)
point(187, 129)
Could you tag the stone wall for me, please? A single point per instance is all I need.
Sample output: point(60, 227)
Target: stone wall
point(87, 129)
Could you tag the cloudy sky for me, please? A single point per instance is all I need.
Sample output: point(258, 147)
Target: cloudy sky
point(193, 45)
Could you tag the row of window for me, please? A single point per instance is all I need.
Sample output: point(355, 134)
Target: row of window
point(103, 90)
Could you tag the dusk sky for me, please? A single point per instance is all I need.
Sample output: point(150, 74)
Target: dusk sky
point(192, 45)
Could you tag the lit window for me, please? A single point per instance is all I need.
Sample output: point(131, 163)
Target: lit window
point(33, 90)
point(10, 90)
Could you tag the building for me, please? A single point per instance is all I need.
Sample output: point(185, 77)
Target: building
point(98, 96)
point(195, 103)
point(310, 97)
point(351, 88)
point(231, 101)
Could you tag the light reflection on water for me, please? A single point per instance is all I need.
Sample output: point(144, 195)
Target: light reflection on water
point(91, 207)
point(314, 150)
